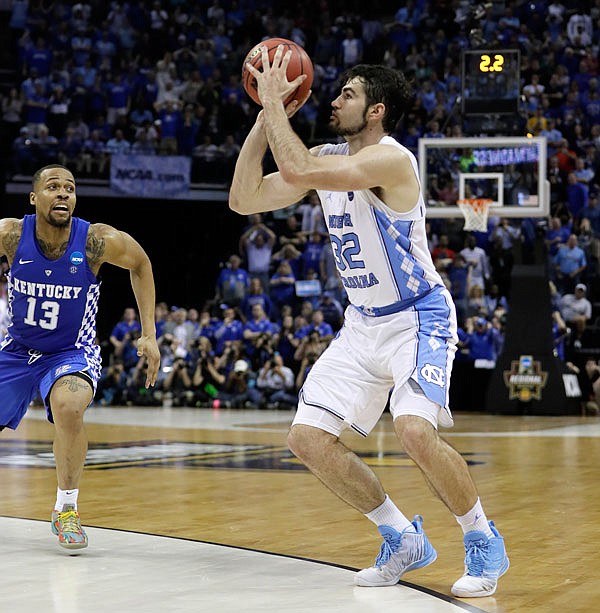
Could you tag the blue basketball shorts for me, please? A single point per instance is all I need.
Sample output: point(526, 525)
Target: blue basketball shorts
point(25, 373)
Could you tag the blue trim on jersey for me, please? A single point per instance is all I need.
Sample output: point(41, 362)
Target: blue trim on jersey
point(433, 339)
point(408, 273)
point(396, 307)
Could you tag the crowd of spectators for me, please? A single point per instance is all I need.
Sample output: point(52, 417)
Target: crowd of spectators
point(164, 78)
point(252, 344)
point(277, 304)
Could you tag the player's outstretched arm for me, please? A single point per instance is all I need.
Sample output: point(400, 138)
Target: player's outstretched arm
point(107, 244)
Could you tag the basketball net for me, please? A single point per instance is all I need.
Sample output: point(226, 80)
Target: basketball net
point(475, 211)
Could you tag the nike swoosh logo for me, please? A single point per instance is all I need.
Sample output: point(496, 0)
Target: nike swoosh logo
point(22, 261)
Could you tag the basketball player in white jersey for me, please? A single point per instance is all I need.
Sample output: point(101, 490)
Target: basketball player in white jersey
point(400, 329)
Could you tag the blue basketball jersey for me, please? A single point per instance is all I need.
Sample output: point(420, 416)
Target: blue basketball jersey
point(52, 303)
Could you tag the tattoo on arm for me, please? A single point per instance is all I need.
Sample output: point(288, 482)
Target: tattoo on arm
point(11, 241)
point(94, 248)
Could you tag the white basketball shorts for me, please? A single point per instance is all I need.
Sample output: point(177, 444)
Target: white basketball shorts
point(405, 357)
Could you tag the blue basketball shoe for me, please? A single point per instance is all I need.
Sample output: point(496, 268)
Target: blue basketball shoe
point(485, 562)
point(400, 553)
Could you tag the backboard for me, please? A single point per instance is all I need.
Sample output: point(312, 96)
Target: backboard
point(511, 171)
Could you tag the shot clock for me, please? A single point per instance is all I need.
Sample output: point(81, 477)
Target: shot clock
point(490, 81)
point(491, 63)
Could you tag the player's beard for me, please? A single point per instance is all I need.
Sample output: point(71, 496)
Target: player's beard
point(349, 130)
point(58, 223)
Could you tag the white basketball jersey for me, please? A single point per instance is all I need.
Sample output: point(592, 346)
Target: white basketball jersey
point(381, 255)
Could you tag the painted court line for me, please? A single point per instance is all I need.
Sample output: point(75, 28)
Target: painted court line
point(128, 571)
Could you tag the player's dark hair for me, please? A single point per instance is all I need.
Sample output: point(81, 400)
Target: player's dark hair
point(38, 173)
point(383, 84)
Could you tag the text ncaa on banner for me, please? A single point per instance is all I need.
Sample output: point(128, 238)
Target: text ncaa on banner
point(150, 176)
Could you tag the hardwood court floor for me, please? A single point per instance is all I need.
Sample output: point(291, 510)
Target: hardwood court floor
point(226, 477)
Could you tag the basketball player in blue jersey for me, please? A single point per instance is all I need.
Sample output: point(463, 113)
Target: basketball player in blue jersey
point(399, 336)
point(50, 348)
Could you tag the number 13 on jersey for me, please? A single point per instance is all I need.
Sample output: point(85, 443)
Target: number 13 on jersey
point(49, 318)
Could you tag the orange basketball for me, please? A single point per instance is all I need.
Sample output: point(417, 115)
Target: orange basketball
point(299, 64)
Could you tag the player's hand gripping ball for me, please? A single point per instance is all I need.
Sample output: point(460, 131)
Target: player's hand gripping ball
point(299, 64)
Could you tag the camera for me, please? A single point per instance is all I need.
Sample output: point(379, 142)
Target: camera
point(472, 25)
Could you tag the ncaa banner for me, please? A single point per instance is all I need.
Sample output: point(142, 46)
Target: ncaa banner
point(150, 176)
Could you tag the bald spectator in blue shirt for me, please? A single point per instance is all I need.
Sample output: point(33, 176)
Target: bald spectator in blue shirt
point(570, 263)
point(233, 282)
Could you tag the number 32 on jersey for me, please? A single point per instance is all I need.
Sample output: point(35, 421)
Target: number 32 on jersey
point(345, 251)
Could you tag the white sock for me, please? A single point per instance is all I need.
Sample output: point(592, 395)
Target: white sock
point(475, 519)
point(388, 514)
point(64, 497)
